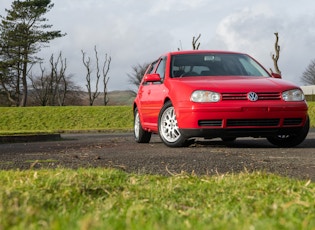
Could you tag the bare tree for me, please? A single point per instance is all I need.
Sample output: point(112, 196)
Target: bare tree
point(87, 64)
point(41, 87)
point(195, 43)
point(136, 76)
point(106, 66)
point(275, 57)
point(54, 87)
point(308, 76)
point(59, 85)
point(105, 69)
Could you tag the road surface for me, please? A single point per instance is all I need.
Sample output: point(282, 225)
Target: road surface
point(119, 150)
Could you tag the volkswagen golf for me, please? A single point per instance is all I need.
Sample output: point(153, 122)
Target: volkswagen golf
point(217, 94)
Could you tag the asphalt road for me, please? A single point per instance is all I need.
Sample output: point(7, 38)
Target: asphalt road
point(120, 151)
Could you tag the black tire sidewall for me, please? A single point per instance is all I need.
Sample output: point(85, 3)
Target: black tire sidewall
point(143, 136)
point(293, 140)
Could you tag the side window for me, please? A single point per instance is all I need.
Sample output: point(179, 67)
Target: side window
point(152, 67)
point(161, 68)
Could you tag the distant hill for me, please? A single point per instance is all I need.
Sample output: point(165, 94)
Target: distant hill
point(116, 98)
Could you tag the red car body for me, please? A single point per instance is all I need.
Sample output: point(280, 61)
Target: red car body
point(242, 100)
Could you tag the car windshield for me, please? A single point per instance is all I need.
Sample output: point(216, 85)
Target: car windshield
point(215, 64)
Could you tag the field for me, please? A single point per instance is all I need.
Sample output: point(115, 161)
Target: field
point(311, 112)
point(65, 119)
point(98, 198)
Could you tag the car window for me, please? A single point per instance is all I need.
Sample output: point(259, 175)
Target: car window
point(252, 68)
point(151, 67)
point(161, 68)
point(216, 64)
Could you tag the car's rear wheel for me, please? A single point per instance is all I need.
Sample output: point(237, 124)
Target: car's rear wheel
point(168, 128)
point(291, 140)
point(141, 136)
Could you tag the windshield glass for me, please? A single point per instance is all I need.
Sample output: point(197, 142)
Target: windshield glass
point(216, 64)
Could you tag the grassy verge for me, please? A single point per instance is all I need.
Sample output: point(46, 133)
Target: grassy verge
point(65, 119)
point(111, 199)
point(311, 112)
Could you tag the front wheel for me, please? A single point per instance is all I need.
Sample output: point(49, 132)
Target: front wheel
point(141, 136)
point(168, 128)
point(291, 140)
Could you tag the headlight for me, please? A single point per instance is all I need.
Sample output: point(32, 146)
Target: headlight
point(293, 95)
point(205, 96)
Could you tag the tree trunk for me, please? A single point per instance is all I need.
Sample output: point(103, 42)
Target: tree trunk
point(275, 57)
point(24, 80)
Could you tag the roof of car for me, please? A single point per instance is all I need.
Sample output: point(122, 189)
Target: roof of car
point(201, 51)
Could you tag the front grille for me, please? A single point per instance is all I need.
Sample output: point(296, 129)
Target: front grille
point(252, 122)
point(234, 96)
point(210, 123)
point(292, 121)
point(243, 96)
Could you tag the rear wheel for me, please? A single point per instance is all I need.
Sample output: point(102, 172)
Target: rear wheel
point(168, 128)
point(291, 140)
point(141, 136)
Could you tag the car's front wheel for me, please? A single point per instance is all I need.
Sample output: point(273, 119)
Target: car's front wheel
point(141, 136)
point(291, 140)
point(168, 128)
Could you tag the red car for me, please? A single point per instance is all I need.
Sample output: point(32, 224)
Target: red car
point(210, 94)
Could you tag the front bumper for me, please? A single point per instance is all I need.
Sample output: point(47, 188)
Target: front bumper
point(235, 132)
point(241, 119)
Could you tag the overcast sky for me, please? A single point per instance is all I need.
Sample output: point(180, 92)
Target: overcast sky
point(138, 31)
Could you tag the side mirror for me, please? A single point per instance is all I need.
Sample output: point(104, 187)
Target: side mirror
point(276, 75)
point(154, 77)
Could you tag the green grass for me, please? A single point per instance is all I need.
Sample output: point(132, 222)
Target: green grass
point(74, 119)
point(112, 199)
point(65, 119)
point(311, 112)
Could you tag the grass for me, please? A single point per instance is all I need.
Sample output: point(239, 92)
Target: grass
point(65, 119)
point(311, 112)
point(112, 199)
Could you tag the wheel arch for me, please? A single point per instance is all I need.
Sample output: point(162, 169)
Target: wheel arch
point(134, 106)
point(167, 99)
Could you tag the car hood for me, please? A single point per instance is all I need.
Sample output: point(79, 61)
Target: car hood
point(236, 84)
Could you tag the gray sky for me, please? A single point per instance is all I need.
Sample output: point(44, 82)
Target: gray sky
point(138, 31)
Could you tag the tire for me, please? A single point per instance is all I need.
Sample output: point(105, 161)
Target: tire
point(291, 140)
point(168, 128)
point(141, 136)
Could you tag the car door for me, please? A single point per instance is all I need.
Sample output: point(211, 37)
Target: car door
point(144, 93)
point(153, 96)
